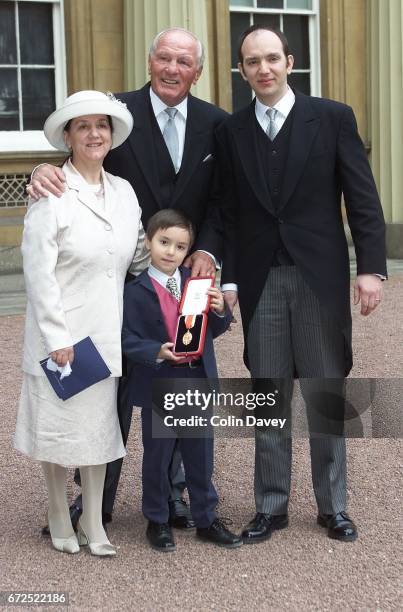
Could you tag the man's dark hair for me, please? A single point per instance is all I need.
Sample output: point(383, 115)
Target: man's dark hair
point(166, 218)
point(255, 28)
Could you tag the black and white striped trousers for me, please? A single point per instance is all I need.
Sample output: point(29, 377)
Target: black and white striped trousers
point(290, 331)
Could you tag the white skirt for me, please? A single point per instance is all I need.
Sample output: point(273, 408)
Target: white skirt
point(83, 430)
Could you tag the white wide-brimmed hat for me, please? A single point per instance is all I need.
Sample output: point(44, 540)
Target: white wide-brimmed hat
point(89, 103)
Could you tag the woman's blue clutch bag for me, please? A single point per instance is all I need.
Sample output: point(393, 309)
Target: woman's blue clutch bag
point(87, 369)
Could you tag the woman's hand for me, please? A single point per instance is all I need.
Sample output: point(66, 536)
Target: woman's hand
point(62, 356)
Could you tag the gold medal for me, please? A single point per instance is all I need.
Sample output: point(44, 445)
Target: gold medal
point(190, 320)
point(187, 338)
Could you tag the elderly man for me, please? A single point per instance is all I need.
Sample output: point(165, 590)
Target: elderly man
point(169, 161)
point(285, 161)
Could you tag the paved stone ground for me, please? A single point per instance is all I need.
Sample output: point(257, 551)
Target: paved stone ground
point(298, 569)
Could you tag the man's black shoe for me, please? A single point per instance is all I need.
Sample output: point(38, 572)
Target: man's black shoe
point(45, 530)
point(75, 513)
point(339, 526)
point(218, 534)
point(160, 536)
point(106, 518)
point(262, 526)
point(179, 514)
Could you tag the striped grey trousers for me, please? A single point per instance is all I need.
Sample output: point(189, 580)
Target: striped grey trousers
point(290, 331)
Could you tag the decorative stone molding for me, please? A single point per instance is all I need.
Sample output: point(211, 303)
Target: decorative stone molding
point(94, 31)
point(386, 103)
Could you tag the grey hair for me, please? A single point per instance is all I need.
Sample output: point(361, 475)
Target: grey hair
point(200, 47)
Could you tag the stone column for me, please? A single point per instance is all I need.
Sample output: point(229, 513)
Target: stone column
point(343, 51)
point(386, 121)
point(80, 61)
point(94, 44)
point(220, 52)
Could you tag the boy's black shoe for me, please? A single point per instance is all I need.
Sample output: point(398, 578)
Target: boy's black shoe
point(160, 536)
point(218, 534)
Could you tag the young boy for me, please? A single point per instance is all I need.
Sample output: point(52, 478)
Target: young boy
point(149, 322)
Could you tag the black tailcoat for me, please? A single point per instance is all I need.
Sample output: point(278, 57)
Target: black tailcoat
point(326, 159)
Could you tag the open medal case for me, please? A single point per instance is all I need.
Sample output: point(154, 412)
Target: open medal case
point(192, 321)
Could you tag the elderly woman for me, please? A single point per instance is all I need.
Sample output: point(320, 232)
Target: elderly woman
point(76, 252)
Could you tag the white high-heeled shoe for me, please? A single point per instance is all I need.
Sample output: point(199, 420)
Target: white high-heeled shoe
point(67, 545)
point(100, 549)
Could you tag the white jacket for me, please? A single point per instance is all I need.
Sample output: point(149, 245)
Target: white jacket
point(76, 256)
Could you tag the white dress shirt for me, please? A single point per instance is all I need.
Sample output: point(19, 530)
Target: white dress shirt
point(283, 108)
point(162, 278)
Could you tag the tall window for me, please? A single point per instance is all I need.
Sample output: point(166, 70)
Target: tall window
point(299, 20)
point(32, 68)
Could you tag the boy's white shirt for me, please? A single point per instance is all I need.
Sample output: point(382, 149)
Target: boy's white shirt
point(162, 278)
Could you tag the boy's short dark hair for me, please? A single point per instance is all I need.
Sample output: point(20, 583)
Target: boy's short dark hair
point(166, 218)
point(255, 28)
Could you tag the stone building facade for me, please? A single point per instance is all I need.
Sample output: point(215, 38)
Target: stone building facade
point(348, 50)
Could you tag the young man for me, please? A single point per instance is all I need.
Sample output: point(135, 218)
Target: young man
point(285, 161)
point(149, 326)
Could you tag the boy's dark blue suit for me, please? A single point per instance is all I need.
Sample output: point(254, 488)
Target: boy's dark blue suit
point(144, 331)
point(142, 336)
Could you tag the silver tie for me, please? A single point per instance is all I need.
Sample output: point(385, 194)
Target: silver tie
point(170, 135)
point(173, 288)
point(271, 129)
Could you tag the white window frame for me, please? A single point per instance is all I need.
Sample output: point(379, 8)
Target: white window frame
point(313, 32)
point(34, 140)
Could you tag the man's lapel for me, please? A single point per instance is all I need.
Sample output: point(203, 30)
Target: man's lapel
point(195, 145)
point(247, 146)
point(305, 127)
point(141, 139)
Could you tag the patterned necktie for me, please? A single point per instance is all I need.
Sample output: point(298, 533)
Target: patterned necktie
point(173, 288)
point(271, 129)
point(170, 135)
